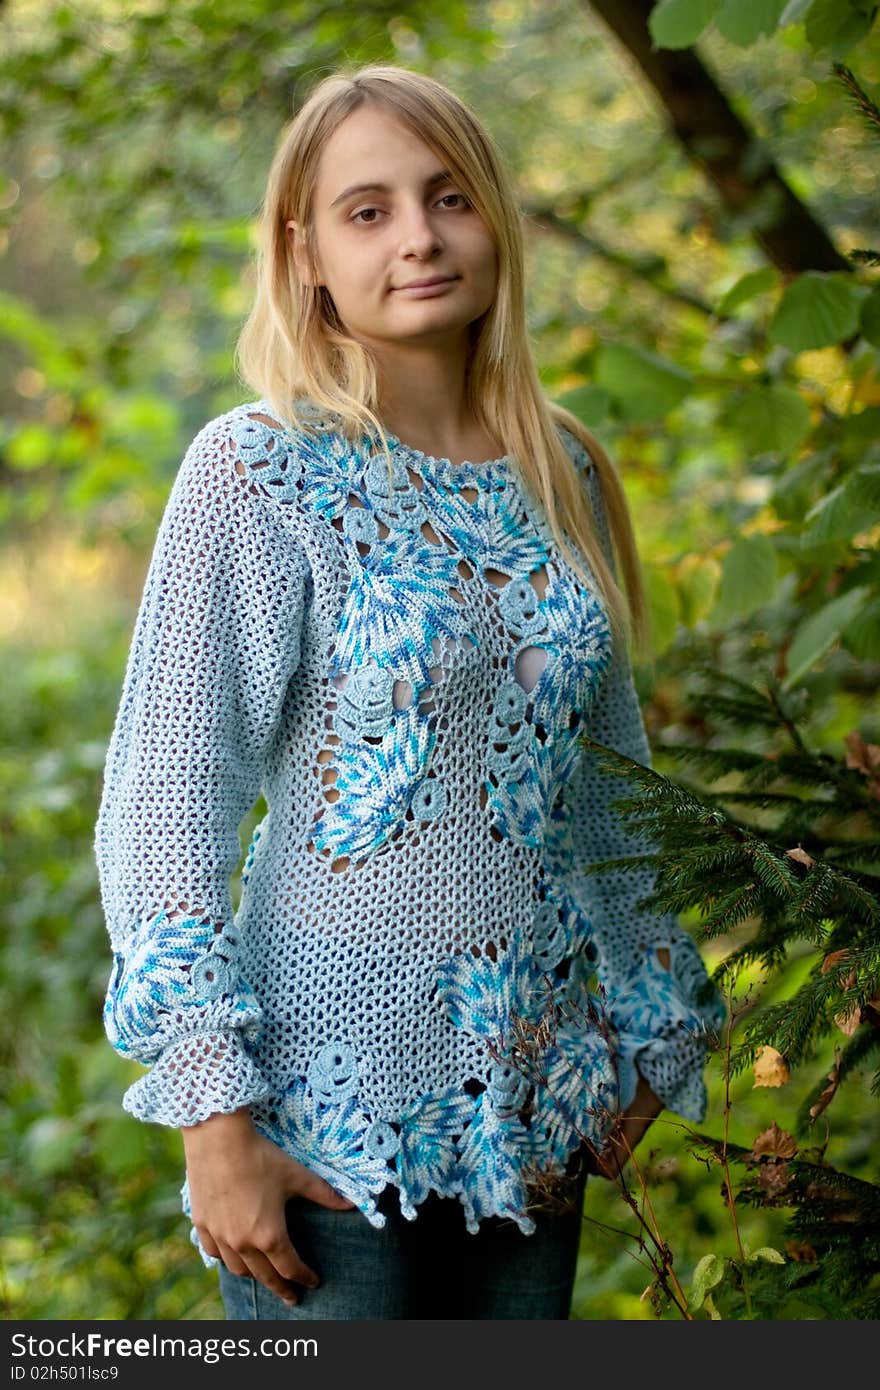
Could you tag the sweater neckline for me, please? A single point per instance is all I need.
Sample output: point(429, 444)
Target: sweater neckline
point(445, 466)
point(493, 473)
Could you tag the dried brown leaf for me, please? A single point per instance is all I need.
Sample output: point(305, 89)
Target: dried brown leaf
point(773, 1177)
point(830, 1091)
point(775, 1142)
point(861, 755)
point(801, 856)
point(771, 1068)
point(849, 1019)
point(865, 758)
point(833, 958)
point(802, 1251)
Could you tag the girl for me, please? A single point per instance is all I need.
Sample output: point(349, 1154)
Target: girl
point(384, 595)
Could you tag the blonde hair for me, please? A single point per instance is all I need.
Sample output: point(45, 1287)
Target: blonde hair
point(293, 345)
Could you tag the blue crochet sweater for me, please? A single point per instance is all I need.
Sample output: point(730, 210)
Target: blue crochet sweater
point(403, 671)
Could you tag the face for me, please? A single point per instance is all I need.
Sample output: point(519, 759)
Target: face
point(386, 215)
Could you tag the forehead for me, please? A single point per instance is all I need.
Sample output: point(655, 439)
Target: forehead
point(370, 140)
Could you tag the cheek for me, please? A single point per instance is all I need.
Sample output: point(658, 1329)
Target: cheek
point(487, 255)
point(350, 279)
point(490, 267)
point(364, 265)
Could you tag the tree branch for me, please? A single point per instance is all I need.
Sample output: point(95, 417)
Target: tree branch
point(716, 139)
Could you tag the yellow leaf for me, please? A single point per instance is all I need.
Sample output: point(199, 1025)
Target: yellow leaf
point(771, 1068)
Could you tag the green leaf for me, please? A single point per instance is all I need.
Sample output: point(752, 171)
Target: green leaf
point(794, 12)
point(821, 631)
point(748, 578)
point(743, 22)
point(862, 635)
point(663, 607)
point(845, 511)
point(120, 1147)
point(836, 25)
point(869, 318)
point(697, 589)
point(748, 287)
point(770, 418)
point(817, 310)
point(149, 423)
point(708, 1273)
point(589, 403)
point(766, 1252)
point(32, 447)
point(52, 1144)
point(642, 385)
point(795, 489)
point(679, 23)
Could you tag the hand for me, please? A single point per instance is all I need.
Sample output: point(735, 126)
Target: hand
point(239, 1182)
point(628, 1130)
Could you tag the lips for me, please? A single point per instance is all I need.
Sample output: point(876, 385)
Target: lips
point(422, 284)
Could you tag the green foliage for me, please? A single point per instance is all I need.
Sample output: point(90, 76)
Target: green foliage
point(639, 383)
point(822, 629)
point(778, 852)
point(832, 26)
point(816, 311)
point(748, 578)
point(679, 23)
point(831, 1268)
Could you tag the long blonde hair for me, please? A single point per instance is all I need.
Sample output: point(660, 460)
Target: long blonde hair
point(293, 345)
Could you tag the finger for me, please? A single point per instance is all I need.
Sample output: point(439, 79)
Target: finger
point(231, 1258)
point(289, 1289)
point(262, 1270)
point(309, 1185)
point(208, 1243)
point(254, 1264)
point(286, 1261)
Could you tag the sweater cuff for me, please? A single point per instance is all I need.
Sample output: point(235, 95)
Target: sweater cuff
point(665, 1020)
point(201, 1075)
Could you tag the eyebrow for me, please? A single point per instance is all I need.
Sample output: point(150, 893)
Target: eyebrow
point(442, 176)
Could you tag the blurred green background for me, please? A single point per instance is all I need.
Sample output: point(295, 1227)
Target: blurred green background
point(697, 304)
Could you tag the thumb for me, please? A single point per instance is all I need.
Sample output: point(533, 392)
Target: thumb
point(316, 1189)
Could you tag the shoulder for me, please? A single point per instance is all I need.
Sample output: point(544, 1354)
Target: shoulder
point(576, 449)
point(236, 472)
point(248, 445)
point(238, 435)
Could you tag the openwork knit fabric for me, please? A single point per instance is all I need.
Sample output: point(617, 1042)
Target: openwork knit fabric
point(420, 986)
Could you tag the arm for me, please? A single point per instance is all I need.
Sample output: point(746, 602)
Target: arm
point(215, 644)
point(660, 1003)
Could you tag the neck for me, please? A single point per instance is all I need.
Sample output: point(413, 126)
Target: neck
point(422, 400)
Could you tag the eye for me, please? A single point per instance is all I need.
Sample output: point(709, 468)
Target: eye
point(368, 217)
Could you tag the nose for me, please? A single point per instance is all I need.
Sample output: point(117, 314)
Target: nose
point(419, 236)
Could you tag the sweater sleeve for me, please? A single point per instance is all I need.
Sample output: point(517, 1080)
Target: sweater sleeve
point(215, 643)
point(662, 1018)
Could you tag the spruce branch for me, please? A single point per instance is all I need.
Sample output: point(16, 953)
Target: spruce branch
point(864, 1044)
point(862, 101)
point(837, 993)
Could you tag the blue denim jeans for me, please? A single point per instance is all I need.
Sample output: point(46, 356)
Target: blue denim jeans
point(431, 1267)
